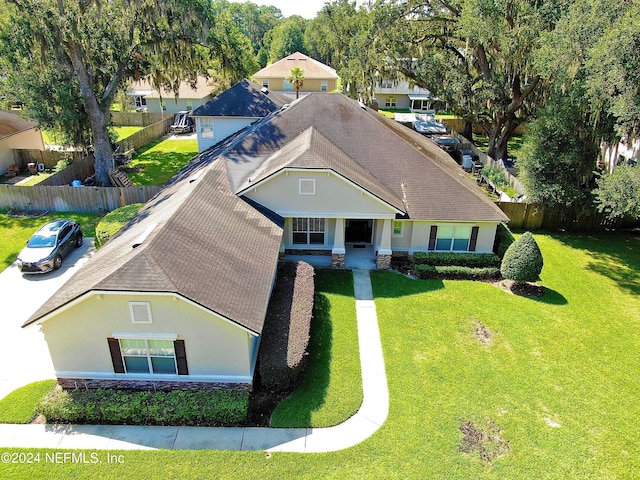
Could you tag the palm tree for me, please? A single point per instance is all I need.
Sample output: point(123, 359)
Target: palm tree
point(296, 79)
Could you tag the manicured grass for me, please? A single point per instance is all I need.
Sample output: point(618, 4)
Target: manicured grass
point(332, 387)
point(159, 161)
point(20, 405)
point(126, 131)
point(15, 231)
point(559, 381)
point(513, 146)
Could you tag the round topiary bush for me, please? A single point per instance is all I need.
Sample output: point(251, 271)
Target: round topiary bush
point(522, 261)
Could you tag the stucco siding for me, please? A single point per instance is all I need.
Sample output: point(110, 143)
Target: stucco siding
point(222, 128)
point(402, 242)
point(333, 197)
point(309, 85)
point(77, 337)
point(420, 235)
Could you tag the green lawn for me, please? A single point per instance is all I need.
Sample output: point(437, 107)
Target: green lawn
point(513, 146)
point(20, 405)
point(159, 161)
point(124, 132)
point(557, 385)
point(332, 387)
point(15, 232)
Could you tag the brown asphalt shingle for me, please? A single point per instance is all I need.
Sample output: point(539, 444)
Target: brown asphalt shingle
point(431, 185)
point(313, 69)
point(207, 245)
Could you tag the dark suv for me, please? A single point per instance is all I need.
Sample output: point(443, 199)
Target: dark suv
point(47, 247)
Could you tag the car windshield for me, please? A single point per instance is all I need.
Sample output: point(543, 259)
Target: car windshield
point(42, 241)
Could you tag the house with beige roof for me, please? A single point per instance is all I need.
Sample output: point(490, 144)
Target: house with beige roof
point(318, 77)
point(178, 299)
point(145, 98)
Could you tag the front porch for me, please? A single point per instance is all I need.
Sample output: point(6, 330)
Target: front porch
point(357, 256)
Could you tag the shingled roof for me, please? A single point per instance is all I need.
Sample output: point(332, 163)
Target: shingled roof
point(195, 239)
point(403, 164)
point(244, 99)
point(313, 69)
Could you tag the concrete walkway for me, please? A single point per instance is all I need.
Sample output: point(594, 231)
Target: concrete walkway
point(372, 414)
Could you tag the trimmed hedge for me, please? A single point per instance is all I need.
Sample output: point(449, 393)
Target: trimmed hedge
point(474, 260)
point(178, 407)
point(286, 332)
point(523, 261)
point(504, 239)
point(456, 272)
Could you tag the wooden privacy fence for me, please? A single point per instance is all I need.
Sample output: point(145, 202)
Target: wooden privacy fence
point(73, 199)
point(137, 119)
point(525, 216)
point(146, 135)
point(50, 158)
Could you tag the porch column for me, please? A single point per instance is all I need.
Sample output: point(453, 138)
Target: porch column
point(338, 250)
point(383, 259)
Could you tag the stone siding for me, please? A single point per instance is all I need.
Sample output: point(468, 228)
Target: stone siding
point(383, 262)
point(154, 385)
point(337, 260)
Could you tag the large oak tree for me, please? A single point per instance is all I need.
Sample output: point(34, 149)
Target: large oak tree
point(87, 49)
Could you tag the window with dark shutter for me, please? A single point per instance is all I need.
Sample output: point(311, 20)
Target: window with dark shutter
point(474, 239)
point(433, 234)
point(116, 355)
point(181, 357)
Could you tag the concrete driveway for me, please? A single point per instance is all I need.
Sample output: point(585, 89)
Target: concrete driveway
point(24, 357)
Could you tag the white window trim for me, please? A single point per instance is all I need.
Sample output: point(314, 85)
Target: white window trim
point(308, 233)
point(324, 85)
point(146, 338)
point(308, 181)
point(401, 228)
point(453, 238)
point(133, 315)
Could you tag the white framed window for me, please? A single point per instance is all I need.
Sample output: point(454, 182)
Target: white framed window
point(324, 85)
point(288, 87)
point(206, 128)
point(453, 238)
point(139, 101)
point(398, 228)
point(306, 186)
point(140, 312)
point(386, 83)
point(265, 82)
point(308, 231)
point(390, 102)
point(148, 356)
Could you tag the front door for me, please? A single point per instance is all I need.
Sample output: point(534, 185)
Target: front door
point(358, 231)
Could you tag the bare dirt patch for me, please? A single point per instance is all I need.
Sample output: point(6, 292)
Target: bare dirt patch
point(482, 333)
point(526, 289)
point(487, 441)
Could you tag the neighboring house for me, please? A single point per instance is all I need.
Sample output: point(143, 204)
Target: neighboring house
point(17, 134)
point(318, 77)
point(625, 152)
point(233, 110)
point(143, 97)
point(179, 297)
point(399, 94)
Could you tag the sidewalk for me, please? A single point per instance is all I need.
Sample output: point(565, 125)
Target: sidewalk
point(372, 414)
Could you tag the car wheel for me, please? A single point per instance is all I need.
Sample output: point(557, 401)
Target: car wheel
point(57, 262)
point(79, 241)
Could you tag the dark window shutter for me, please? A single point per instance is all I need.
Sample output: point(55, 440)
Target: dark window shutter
point(116, 355)
point(181, 357)
point(432, 237)
point(474, 239)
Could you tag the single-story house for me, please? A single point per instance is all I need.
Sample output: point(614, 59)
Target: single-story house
point(145, 98)
point(234, 109)
point(179, 297)
point(17, 133)
point(318, 77)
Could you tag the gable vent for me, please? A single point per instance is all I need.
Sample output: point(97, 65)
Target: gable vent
point(143, 236)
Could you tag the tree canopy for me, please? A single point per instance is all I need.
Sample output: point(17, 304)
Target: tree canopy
point(89, 48)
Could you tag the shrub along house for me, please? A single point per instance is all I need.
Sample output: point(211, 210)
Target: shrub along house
point(179, 297)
